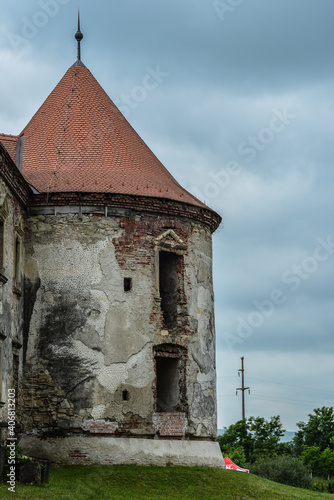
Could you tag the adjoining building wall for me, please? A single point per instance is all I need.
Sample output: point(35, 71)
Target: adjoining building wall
point(97, 347)
point(11, 287)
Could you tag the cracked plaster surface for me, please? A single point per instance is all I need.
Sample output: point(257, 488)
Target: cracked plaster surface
point(110, 339)
point(134, 371)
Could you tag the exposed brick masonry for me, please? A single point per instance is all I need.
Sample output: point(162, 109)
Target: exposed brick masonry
point(100, 426)
point(143, 203)
point(170, 424)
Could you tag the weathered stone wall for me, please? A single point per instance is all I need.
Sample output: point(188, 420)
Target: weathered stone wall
point(11, 299)
point(90, 346)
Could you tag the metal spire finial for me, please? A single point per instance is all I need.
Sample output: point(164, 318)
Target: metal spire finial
point(79, 37)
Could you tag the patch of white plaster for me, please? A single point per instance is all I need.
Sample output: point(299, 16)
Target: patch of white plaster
point(98, 411)
point(89, 355)
point(112, 376)
point(136, 371)
point(73, 263)
point(206, 380)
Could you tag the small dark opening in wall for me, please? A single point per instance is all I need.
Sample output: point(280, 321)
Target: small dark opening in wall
point(168, 384)
point(125, 395)
point(127, 284)
point(169, 286)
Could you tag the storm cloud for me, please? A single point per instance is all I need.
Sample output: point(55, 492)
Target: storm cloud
point(241, 113)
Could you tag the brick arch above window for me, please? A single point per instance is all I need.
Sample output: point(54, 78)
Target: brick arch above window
point(170, 240)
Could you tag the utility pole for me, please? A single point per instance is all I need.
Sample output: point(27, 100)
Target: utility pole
point(242, 388)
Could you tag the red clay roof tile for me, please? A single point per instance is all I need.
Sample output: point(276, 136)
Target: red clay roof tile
point(79, 141)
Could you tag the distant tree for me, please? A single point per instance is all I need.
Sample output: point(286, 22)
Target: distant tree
point(234, 435)
point(256, 436)
point(310, 457)
point(318, 431)
point(321, 463)
point(327, 463)
point(265, 435)
point(285, 448)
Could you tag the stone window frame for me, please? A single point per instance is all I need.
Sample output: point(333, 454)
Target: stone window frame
point(2, 338)
point(3, 216)
point(17, 260)
point(178, 248)
point(172, 351)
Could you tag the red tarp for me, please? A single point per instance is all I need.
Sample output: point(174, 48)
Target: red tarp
point(231, 465)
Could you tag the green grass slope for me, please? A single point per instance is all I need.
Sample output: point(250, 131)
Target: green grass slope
point(151, 483)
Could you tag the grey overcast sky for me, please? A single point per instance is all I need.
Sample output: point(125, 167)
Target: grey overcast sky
point(242, 114)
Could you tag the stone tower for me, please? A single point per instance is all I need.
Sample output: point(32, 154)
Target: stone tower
point(117, 329)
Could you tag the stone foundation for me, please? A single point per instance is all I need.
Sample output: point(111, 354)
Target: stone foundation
point(125, 451)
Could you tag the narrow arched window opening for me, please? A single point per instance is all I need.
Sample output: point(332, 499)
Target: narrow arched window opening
point(169, 286)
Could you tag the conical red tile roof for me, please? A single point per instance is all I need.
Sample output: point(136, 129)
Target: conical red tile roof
point(78, 141)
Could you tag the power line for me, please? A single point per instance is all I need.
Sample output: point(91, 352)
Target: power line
point(290, 403)
point(279, 400)
point(290, 385)
point(281, 383)
point(273, 398)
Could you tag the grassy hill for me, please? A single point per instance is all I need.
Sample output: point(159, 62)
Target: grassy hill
point(153, 483)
